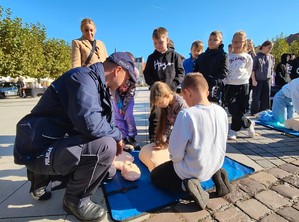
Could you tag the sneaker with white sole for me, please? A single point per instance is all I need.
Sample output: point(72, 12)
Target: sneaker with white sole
point(232, 135)
point(251, 131)
point(194, 189)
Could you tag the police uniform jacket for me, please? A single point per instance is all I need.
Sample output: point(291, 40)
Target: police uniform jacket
point(77, 103)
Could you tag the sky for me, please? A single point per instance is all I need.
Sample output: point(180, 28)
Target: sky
point(127, 25)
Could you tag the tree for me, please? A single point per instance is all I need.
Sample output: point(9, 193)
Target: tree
point(280, 46)
point(295, 47)
point(58, 54)
point(26, 51)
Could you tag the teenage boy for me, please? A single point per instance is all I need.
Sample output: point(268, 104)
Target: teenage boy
point(165, 65)
point(213, 65)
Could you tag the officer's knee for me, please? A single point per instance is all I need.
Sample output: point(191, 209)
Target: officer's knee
point(104, 146)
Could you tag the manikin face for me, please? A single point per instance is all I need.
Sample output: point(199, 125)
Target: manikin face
point(214, 42)
point(160, 44)
point(89, 31)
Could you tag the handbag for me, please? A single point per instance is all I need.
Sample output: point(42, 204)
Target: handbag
point(91, 52)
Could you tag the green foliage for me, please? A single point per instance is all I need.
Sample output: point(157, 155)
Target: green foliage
point(295, 47)
point(280, 46)
point(25, 50)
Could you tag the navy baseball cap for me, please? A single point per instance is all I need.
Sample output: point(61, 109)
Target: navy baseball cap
point(124, 60)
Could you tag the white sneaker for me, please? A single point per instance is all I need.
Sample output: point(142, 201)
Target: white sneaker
point(251, 131)
point(232, 135)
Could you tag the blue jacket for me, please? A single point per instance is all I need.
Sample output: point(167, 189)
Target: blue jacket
point(77, 103)
point(188, 65)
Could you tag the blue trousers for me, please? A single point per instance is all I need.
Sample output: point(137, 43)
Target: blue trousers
point(282, 108)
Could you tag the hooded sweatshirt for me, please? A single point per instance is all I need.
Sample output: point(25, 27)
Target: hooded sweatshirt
point(166, 67)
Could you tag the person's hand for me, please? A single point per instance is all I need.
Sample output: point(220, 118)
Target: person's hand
point(254, 82)
point(160, 146)
point(119, 147)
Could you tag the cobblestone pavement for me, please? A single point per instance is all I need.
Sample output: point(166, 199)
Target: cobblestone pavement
point(270, 194)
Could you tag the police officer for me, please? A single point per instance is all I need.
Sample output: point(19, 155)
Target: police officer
point(70, 133)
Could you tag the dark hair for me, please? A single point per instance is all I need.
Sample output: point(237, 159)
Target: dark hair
point(265, 44)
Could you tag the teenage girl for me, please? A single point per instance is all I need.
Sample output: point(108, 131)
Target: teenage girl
point(168, 105)
point(237, 85)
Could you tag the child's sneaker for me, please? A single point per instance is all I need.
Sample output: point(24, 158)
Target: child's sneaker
point(133, 142)
point(221, 182)
point(194, 189)
point(251, 131)
point(232, 135)
point(128, 146)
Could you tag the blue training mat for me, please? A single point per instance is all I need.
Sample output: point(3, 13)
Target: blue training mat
point(277, 127)
point(142, 196)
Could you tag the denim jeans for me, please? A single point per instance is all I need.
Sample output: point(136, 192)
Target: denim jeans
point(282, 108)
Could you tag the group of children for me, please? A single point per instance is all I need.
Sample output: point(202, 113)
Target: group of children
point(188, 132)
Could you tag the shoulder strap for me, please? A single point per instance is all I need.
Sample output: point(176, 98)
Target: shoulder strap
point(91, 52)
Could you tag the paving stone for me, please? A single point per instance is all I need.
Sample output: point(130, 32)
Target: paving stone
point(202, 215)
point(273, 218)
point(289, 214)
point(288, 159)
point(286, 191)
point(277, 162)
point(296, 162)
point(231, 215)
point(253, 208)
point(264, 178)
point(293, 180)
point(216, 203)
point(189, 211)
point(272, 200)
point(290, 168)
point(236, 194)
point(285, 148)
point(279, 173)
point(296, 206)
point(265, 164)
point(250, 186)
point(164, 216)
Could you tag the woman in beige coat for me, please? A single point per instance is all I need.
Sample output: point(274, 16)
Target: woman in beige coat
point(82, 47)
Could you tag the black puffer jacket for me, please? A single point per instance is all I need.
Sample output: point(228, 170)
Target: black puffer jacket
point(213, 65)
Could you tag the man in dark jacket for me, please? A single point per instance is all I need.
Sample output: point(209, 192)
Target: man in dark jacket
point(70, 132)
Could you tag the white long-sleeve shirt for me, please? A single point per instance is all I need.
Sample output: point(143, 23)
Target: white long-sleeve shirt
point(197, 143)
point(239, 69)
point(291, 90)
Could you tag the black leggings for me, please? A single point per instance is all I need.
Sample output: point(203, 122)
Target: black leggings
point(165, 177)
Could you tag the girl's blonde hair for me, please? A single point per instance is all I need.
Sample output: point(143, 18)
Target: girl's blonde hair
point(243, 36)
point(85, 22)
point(158, 91)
